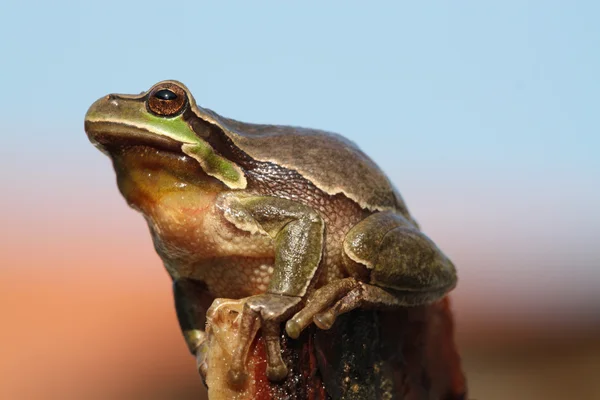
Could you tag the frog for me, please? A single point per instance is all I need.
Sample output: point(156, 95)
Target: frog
point(299, 224)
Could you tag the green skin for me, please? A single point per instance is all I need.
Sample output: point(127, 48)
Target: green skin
point(220, 195)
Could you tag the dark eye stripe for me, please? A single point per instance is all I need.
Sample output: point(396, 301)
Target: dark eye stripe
point(165, 94)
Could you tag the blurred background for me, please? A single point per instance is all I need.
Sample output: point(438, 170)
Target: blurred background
point(485, 116)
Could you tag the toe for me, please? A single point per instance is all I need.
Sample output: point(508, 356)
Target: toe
point(277, 372)
point(237, 377)
point(202, 359)
point(293, 329)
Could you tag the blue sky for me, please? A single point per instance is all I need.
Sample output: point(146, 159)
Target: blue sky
point(483, 114)
point(508, 84)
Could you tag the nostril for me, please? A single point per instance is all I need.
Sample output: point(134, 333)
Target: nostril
point(112, 99)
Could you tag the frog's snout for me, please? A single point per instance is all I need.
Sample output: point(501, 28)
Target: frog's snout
point(94, 116)
point(101, 108)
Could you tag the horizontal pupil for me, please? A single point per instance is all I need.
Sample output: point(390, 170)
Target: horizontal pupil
point(165, 94)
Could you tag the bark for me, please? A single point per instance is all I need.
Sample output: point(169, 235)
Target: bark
point(405, 355)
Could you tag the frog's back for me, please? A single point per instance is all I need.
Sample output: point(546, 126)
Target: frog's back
point(335, 164)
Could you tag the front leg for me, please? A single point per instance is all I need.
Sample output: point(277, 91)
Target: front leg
point(298, 232)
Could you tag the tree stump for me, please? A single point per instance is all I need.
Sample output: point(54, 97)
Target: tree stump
point(405, 355)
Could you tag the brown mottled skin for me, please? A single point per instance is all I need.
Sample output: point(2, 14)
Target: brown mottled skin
point(265, 214)
point(206, 254)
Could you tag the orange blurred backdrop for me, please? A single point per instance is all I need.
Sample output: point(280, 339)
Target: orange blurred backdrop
point(87, 312)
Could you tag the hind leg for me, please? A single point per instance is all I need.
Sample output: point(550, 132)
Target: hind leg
point(404, 268)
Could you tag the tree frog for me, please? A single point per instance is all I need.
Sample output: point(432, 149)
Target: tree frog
point(297, 222)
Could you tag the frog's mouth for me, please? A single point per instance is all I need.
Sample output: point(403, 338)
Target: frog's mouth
point(109, 136)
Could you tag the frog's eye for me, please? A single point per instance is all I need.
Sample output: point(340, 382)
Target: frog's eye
point(167, 100)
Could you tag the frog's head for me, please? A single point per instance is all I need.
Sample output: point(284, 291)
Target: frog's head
point(164, 118)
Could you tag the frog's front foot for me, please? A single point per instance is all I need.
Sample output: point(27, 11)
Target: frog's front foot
point(325, 305)
point(264, 311)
